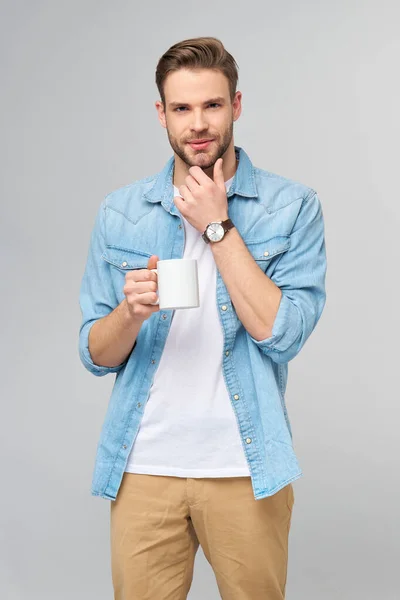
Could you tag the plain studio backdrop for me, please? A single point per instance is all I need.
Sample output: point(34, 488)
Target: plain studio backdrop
point(320, 84)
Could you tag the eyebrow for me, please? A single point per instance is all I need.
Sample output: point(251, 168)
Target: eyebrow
point(218, 99)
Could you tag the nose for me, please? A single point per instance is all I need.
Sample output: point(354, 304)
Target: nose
point(198, 123)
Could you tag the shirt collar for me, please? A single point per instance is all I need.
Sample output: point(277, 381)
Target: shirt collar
point(243, 183)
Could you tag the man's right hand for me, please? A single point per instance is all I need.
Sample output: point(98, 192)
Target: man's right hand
point(140, 291)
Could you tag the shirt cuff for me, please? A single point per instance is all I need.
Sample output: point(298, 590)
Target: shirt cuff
point(86, 356)
point(286, 329)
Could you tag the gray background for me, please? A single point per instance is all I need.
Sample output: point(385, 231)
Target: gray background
point(320, 104)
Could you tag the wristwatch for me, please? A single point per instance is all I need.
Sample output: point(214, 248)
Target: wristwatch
point(215, 231)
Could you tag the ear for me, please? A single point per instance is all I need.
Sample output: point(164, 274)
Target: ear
point(237, 106)
point(161, 113)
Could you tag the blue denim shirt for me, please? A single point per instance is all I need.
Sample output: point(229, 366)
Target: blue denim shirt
point(281, 223)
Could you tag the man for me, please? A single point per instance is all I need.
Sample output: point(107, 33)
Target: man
point(196, 445)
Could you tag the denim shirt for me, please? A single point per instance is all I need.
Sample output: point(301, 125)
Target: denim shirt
point(281, 223)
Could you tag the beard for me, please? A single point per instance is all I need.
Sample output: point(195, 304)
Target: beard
point(205, 159)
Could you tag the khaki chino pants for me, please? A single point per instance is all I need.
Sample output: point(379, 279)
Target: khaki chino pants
point(158, 522)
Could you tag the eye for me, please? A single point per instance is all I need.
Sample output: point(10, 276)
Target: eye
point(179, 109)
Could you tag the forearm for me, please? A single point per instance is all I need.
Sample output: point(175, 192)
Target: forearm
point(112, 338)
point(254, 295)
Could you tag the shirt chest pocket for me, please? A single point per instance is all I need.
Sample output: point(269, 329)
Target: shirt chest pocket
point(125, 259)
point(264, 252)
point(121, 261)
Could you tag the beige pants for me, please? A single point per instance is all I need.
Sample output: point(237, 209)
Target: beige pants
point(158, 522)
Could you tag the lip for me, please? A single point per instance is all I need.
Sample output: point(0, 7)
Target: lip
point(200, 144)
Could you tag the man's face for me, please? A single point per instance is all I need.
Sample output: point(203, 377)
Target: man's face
point(198, 107)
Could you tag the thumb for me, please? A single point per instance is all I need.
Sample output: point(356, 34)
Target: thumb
point(219, 174)
point(152, 264)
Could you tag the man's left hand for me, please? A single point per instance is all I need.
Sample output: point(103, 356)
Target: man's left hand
point(204, 200)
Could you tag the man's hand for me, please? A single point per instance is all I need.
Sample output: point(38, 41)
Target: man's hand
point(204, 200)
point(140, 290)
point(113, 337)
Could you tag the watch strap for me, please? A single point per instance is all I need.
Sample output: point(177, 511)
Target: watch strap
point(227, 225)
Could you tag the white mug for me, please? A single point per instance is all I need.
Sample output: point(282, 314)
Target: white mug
point(178, 283)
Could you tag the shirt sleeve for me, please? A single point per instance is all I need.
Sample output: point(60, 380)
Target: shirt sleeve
point(97, 297)
point(300, 275)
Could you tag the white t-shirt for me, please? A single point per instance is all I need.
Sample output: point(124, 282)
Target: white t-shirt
point(189, 428)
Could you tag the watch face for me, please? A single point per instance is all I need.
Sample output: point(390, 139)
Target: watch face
point(215, 232)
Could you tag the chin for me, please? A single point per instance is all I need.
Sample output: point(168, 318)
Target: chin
point(201, 160)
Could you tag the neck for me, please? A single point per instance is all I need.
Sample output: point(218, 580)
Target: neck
point(181, 169)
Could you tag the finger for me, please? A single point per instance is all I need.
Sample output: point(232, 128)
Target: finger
point(153, 307)
point(140, 275)
point(143, 310)
point(186, 194)
point(180, 204)
point(140, 287)
point(183, 204)
point(152, 264)
point(218, 174)
point(198, 174)
point(191, 184)
point(147, 298)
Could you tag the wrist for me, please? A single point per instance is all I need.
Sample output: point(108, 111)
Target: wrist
point(219, 219)
point(215, 232)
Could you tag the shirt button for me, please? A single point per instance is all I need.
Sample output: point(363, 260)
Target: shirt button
point(224, 307)
point(266, 253)
point(248, 440)
point(124, 446)
point(227, 353)
point(124, 263)
point(164, 316)
point(153, 362)
point(139, 404)
point(180, 226)
point(236, 397)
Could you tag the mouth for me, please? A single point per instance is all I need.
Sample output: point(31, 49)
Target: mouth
point(200, 144)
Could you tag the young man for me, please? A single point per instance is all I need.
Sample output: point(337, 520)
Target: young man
point(196, 445)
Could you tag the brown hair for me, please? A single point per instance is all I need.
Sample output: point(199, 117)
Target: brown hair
point(197, 53)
